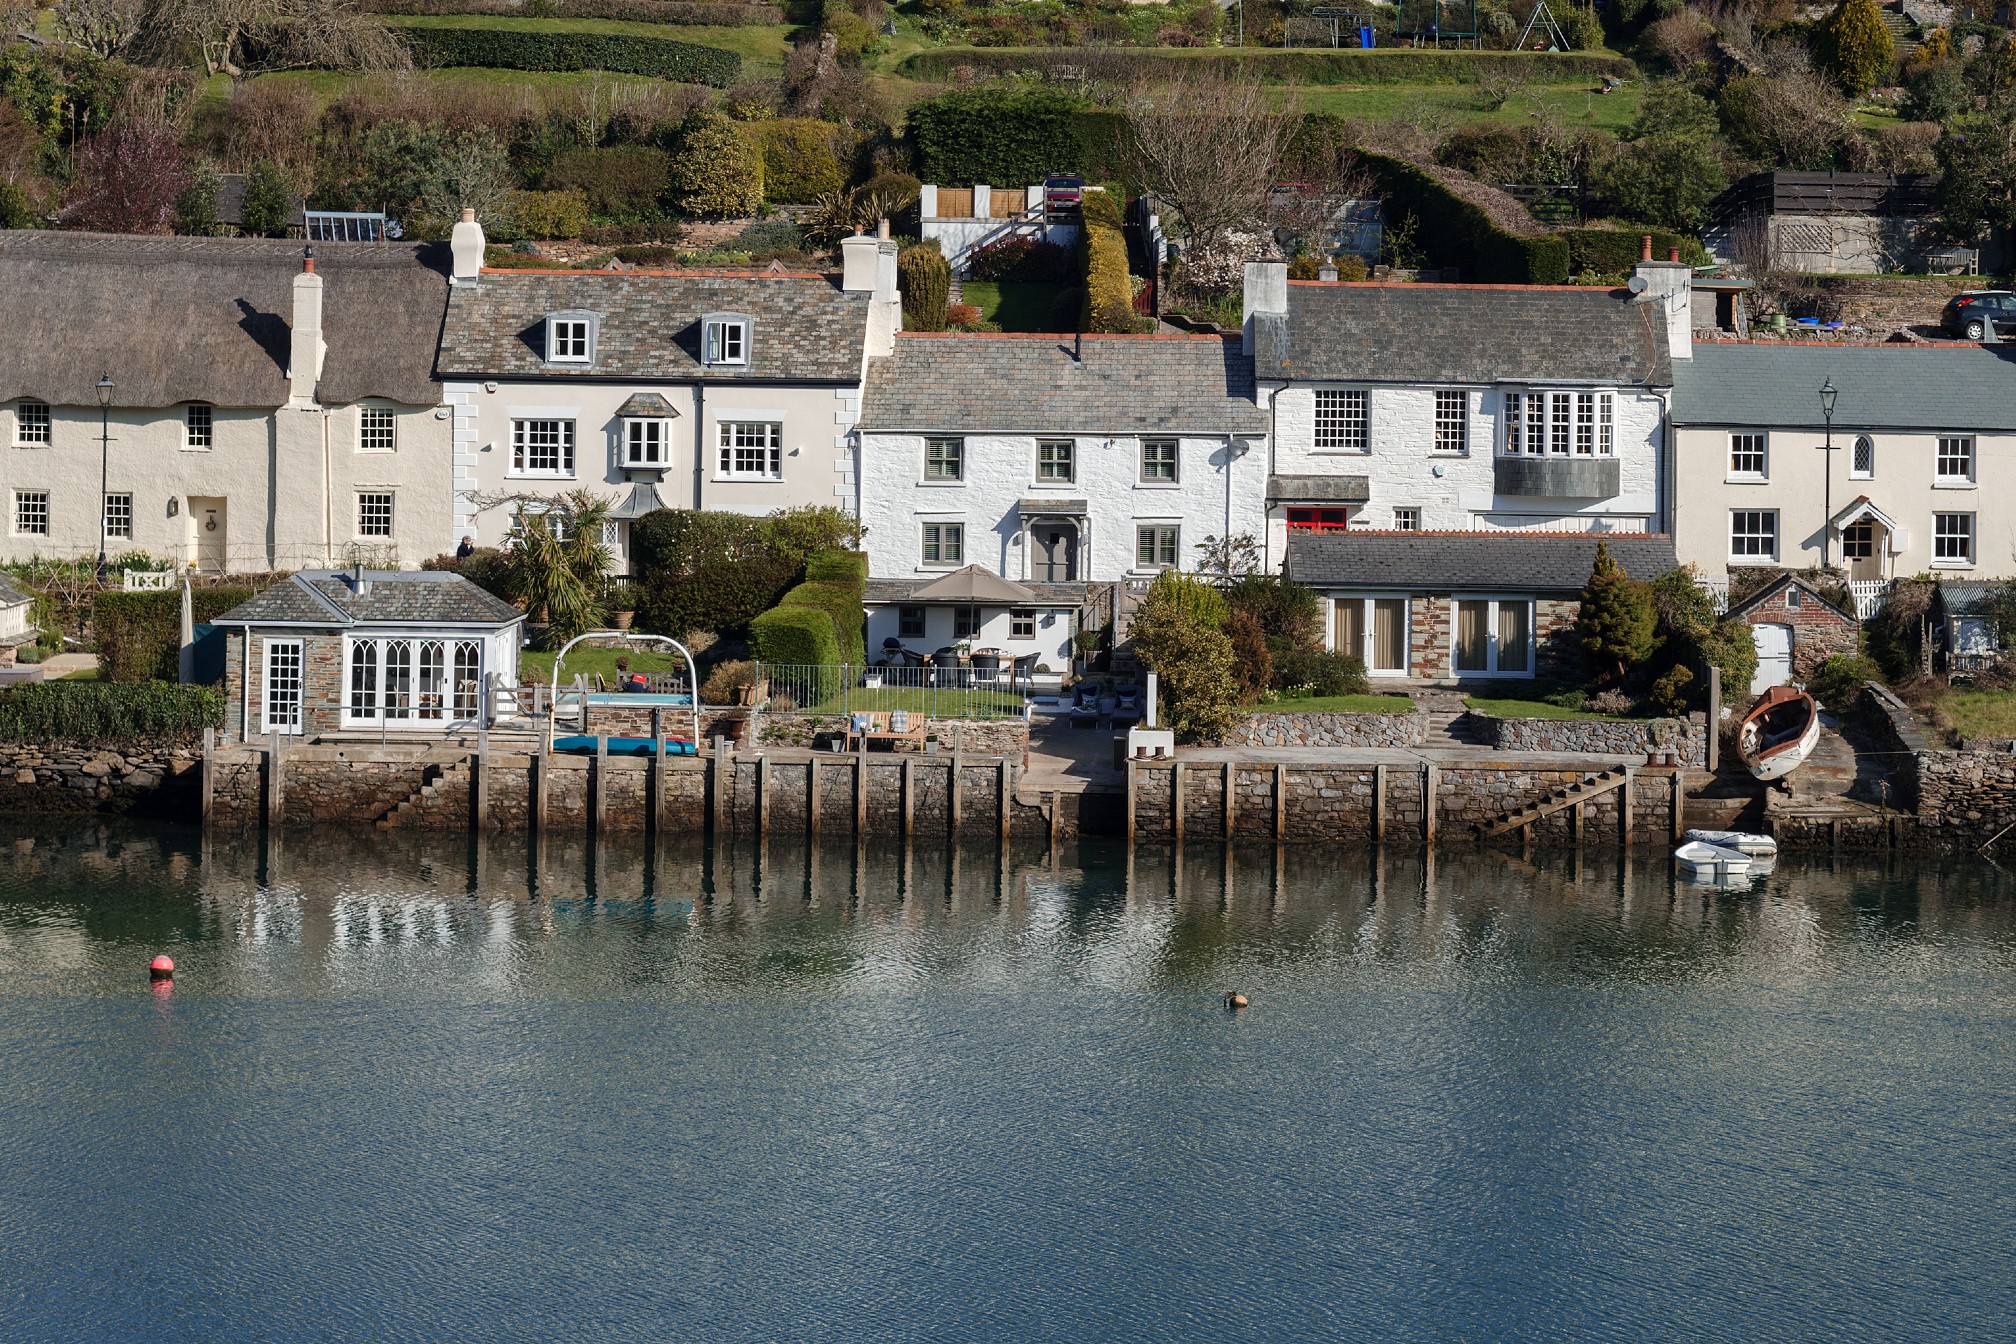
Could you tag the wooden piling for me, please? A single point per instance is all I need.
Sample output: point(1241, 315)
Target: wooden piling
point(480, 786)
point(601, 783)
point(1176, 798)
point(1133, 787)
point(861, 793)
point(952, 809)
point(762, 796)
point(909, 795)
point(1005, 790)
point(1430, 786)
point(1626, 811)
point(541, 785)
point(656, 809)
point(1280, 801)
point(812, 796)
point(1678, 802)
point(1231, 799)
point(275, 790)
point(1379, 804)
point(209, 781)
point(1055, 807)
point(718, 783)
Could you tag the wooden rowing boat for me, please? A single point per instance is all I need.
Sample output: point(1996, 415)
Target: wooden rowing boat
point(1778, 733)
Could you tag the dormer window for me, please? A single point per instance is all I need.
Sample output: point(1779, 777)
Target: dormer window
point(725, 339)
point(570, 338)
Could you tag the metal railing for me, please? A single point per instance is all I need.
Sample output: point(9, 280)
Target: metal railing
point(982, 688)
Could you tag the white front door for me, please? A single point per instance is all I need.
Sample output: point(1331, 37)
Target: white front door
point(282, 662)
point(1774, 657)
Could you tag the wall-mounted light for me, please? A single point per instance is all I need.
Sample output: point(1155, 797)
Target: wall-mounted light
point(174, 506)
point(442, 412)
point(489, 387)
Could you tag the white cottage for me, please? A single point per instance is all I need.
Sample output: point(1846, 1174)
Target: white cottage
point(1462, 408)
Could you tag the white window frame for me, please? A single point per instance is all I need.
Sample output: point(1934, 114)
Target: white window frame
point(738, 447)
point(439, 679)
point(1750, 557)
point(1559, 422)
point(1452, 422)
point(377, 429)
point(561, 448)
point(1343, 421)
point(1149, 470)
point(33, 424)
point(1364, 651)
point(951, 450)
point(1155, 535)
point(1964, 533)
point(570, 339)
point(1748, 444)
point(118, 501)
point(647, 442)
point(25, 502)
point(374, 501)
point(267, 723)
point(935, 534)
point(1964, 452)
point(725, 340)
point(1856, 471)
point(1491, 649)
point(1069, 448)
point(199, 426)
point(1407, 518)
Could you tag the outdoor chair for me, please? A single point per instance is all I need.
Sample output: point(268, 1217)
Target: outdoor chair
point(1023, 673)
point(986, 669)
point(947, 671)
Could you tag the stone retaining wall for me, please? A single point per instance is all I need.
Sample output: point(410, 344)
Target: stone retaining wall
point(1333, 803)
point(985, 737)
point(1605, 737)
point(1286, 728)
point(156, 777)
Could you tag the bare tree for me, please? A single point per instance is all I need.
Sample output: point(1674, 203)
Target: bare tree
point(1211, 145)
point(128, 179)
point(101, 27)
point(248, 37)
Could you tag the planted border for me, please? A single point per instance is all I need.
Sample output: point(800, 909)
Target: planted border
point(1288, 67)
point(513, 49)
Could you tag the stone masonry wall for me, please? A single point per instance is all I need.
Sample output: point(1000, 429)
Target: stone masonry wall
point(987, 737)
point(1818, 630)
point(1288, 729)
point(1608, 737)
point(157, 777)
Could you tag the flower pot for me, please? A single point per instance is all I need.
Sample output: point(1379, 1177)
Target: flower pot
point(621, 619)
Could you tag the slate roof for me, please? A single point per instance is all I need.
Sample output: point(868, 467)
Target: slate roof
point(209, 319)
point(10, 596)
point(396, 597)
point(1319, 489)
point(646, 406)
point(1033, 384)
point(1774, 384)
point(1757, 599)
point(805, 328)
point(1475, 334)
point(1435, 562)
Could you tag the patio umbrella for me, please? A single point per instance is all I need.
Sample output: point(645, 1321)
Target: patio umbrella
point(974, 586)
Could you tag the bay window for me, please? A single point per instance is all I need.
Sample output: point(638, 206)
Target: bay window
point(1560, 424)
point(400, 681)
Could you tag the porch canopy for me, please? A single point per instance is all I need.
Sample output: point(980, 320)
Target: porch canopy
point(974, 586)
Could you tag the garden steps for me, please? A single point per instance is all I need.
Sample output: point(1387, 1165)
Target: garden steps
point(1594, 786)
point(436, 779)
point(1458, 727)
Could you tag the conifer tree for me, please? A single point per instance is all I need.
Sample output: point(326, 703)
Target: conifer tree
point(1856, 47)
point(1616, 624)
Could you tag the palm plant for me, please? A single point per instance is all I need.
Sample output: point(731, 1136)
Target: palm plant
point(558, 561)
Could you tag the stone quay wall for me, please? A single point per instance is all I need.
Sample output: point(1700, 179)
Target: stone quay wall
point(1687, 738)
point(1286, 728)
point(1371, 803)
point(43, 777)
point(981, 737)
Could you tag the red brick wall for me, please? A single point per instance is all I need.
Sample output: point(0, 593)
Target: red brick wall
point(1818, 630)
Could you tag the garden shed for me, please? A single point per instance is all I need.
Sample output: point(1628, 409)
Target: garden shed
point(334, 651)
point(1796, 627)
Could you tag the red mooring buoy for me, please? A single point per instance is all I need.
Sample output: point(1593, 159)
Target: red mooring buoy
point(161, 968)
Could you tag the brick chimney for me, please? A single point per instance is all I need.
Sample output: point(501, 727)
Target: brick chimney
point(465, 244)
point(304, 360)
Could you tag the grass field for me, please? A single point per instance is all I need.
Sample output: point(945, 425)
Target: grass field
point(1981, 713)
point(1016, 307)
point(935, 704)
point(762, 49)
point(1506, 708)
point(588, 661)
point(1460, 104)
point(1338, 704)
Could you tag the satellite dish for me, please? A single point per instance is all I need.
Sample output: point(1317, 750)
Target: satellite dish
point(1636, 284)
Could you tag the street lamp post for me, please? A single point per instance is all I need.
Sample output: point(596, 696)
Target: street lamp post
point(1828, 393)
point(104, 460)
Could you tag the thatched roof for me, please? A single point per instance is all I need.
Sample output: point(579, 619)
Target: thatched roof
point(209, 319)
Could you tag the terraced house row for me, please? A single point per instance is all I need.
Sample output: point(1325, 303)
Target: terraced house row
point(1437, 460)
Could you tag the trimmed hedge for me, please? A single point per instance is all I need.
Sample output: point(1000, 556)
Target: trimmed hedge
point(511, 49)
point(1609, 251)
point(925, 278)
point(1003, 136)
point(633, 11)
point(837, 567)
point(105, 711)
point(795, 636)
point(140, 634)
point(1392, 66)
point(1109, 289)
point(842, 604)
point(1455, 231)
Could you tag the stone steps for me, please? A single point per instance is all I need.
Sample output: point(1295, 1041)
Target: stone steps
point(1457, 728)
point(428, 796)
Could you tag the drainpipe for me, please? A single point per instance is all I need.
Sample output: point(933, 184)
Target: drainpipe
point(328, 495)
point(1668, 473)
point(699, 439)
point(245, 689)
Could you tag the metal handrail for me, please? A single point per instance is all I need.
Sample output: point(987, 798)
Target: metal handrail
point(692, 673)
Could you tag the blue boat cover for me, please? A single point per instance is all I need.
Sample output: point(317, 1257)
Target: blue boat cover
point(579, 745)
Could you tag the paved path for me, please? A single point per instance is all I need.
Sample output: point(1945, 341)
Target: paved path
point(63, 664)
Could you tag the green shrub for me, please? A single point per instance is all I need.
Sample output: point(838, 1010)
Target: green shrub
point(808, 530)
point(718, 173)
point(1837, 683)
point(925, 279)
point(1252, 661)
point(800, 161)
point(1291, 614)
point(1198, 598)
point(1855, 46)
point(1615, 625)
point(769, 238)
point(725, 683)
point(1454, 230)
point(548, 214)
point(842, 603)
point(487, 567)
point(1109, 287)
point(838, 567)
point(1320, 672)
point(1021, 260)
point(195, 208)
point(515, 49)
point(795, 636)
point(139, 635)
point(618, 182)
point(1194, 667)
point(268, 205)
point(722, 594)
point(106, 711)
point(1673, 693)
point(944, 64)
point(1009, 136)
point(1612, 251)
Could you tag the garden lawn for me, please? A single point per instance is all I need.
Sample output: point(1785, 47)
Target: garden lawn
point(1981, 713)
point(944, 703)
point(1016, 307)
point(1338, 704)
point(589, 660)
point(1528, 709)
point(1578, 104)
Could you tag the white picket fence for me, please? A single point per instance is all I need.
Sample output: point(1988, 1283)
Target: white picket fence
point(1869, 594)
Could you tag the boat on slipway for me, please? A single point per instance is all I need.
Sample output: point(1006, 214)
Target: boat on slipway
point(1778, 733)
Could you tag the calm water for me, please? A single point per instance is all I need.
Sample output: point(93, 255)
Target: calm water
point(408, 1090)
